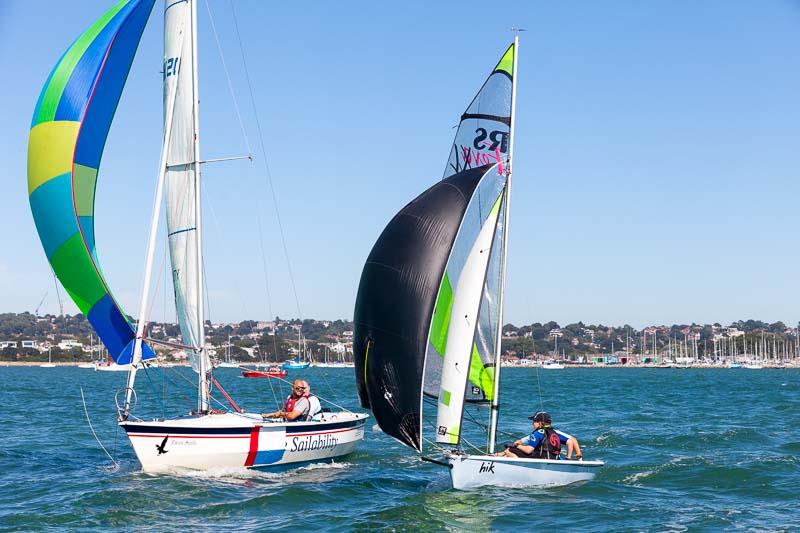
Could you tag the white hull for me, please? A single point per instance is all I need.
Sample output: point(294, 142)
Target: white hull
point(47, 365)
point(228, 365)
point(472, 471)
point(86, 365)
point(553, 366)
point(334, 365)
point(294, 365)
point(233, 440)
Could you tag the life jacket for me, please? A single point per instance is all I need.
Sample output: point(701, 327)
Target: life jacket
point(288, 405)
point(550, 446)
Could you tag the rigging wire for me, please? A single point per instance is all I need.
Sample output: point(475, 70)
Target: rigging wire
point(228, 77)
point(268, 174)
point(161, 276)
point(58, 294)
point(539, 389)
point(86, 411)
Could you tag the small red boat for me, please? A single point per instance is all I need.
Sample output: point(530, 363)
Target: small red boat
point(269, 373)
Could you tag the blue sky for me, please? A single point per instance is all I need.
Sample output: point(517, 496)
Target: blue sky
point(656, 172)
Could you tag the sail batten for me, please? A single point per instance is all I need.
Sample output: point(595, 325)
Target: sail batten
point(68, 132)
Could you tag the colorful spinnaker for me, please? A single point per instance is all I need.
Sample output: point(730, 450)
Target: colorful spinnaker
point(67, 137)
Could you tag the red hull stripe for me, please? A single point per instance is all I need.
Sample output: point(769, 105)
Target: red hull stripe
point(251, 455)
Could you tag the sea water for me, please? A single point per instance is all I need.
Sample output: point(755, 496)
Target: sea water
point(685, 449)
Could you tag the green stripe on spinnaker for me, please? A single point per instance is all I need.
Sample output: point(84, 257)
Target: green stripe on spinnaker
point(72, 262)
point(84, 180)
point(440, 323)
point(62, 72)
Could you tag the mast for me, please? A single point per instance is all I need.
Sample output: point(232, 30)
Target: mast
point(495, 404)
point(202, 389)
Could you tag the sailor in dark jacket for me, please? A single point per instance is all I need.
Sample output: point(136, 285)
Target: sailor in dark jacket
point(544, 442)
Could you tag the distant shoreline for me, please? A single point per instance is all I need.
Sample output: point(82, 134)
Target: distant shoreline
point(505, 366)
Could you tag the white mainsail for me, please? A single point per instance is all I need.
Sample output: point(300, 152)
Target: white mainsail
point(461, 332)
point(182, 177)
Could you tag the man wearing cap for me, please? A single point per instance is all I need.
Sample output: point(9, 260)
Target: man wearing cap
point(544, 442)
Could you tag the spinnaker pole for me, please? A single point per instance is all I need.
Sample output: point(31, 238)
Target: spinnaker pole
point(495, 403)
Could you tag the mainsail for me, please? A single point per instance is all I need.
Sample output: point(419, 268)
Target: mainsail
point(68, 134)
point(484, 132)
point(181, 181)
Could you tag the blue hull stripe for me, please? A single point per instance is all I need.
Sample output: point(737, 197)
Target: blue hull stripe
point(241, 431)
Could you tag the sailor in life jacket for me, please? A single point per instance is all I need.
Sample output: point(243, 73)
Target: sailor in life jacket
point(314, 407)
point(544, 442)
point(299, 405)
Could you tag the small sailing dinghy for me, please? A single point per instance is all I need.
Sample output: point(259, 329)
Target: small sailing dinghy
point(68, 133)
point(429, 309)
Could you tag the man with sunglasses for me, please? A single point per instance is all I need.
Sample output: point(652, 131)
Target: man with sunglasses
point(296, 406)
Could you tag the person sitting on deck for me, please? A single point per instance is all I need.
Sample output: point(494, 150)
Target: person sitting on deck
point(314, 407)
point(544, 442)
point(296, 406)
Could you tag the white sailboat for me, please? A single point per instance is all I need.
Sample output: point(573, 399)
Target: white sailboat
point(429, 310)
point(228, 363)
point(71, 122)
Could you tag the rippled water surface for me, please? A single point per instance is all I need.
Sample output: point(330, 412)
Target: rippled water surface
point(685, 450)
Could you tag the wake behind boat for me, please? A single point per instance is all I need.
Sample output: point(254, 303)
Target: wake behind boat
point(429, 309)
point(71, 121)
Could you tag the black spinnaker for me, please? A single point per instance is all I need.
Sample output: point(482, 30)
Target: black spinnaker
point(396, 299)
